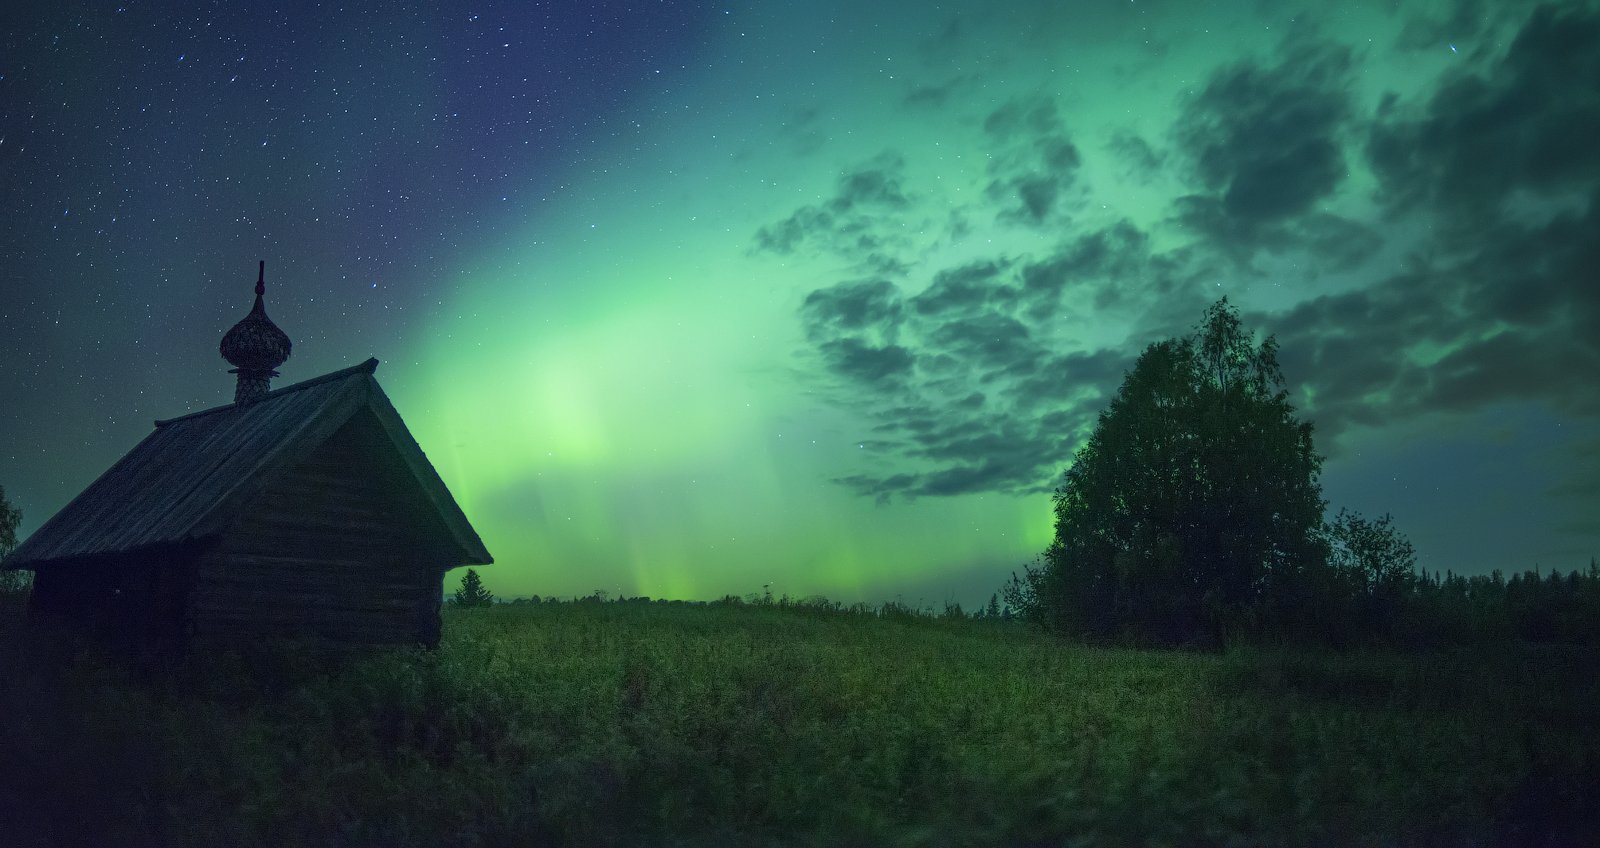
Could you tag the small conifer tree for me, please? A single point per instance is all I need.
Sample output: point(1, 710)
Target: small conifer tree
point(472, 592)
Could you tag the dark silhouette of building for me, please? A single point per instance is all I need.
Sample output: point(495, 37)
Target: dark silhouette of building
point(308, 511)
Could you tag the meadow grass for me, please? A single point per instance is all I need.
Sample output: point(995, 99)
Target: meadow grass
point(652, 724)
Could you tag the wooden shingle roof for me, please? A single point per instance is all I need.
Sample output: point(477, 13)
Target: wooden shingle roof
point(189, 480)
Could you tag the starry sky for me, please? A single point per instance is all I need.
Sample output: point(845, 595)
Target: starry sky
point(693, 299)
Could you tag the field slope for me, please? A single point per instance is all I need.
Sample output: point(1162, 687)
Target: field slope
point(653, 724)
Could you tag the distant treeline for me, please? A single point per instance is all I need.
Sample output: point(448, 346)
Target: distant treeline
point(1446, 609)
point(816, 605)
point(1422, 610)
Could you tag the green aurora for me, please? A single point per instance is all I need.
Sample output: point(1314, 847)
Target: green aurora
point(620, 394)
point(821, 297)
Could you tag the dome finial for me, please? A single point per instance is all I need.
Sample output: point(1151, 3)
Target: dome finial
point(255, 347)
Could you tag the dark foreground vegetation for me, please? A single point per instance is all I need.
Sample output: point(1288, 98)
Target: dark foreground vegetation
point(637, 723)
point(1345, 698)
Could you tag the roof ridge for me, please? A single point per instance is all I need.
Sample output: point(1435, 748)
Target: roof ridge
point(367, 367)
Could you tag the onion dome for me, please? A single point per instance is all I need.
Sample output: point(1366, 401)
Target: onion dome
point(255, 347)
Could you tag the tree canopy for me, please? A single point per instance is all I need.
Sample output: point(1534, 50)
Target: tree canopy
point(1194, 509)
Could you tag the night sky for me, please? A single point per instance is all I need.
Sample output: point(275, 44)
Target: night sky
point(685, 300)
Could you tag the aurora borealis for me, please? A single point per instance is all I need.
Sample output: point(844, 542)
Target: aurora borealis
point(686, 300)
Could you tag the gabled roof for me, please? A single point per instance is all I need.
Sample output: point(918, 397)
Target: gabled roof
point(190, 479)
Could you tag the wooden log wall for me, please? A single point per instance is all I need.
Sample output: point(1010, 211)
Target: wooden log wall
point(342, 546)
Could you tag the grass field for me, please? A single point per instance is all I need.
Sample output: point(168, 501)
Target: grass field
point(654, 724)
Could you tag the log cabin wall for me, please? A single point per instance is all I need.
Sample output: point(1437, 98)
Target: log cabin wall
point(341, 546)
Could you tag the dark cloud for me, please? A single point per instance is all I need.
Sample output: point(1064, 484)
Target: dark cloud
point(957, 226)
point(1035, 163)
point(953, 382)
point(977, 454)
point(962, 383)
point(1047, 382)
point(853, 308)
point(1034, 195)
point(1265, 145)
point(1350, 351)
point(966, 289)
point(1263, 140)
point(988, 341)
point(987, 453)
point(860, 361)
point(786, 235)
point(877, 185)
point(957, 385)
point(960, 479)
point(1502, 301)
point(1341, 243)
point(1511, 366)
point(854, 326)
point(977, 376)
point(850, 223)
point(936, 96)
point(1112, 255)
point(1527, 127)
point(1142, 160)
point(881, 489)
point(1510, 321)
point(1541, 277)
point(1025, 119)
